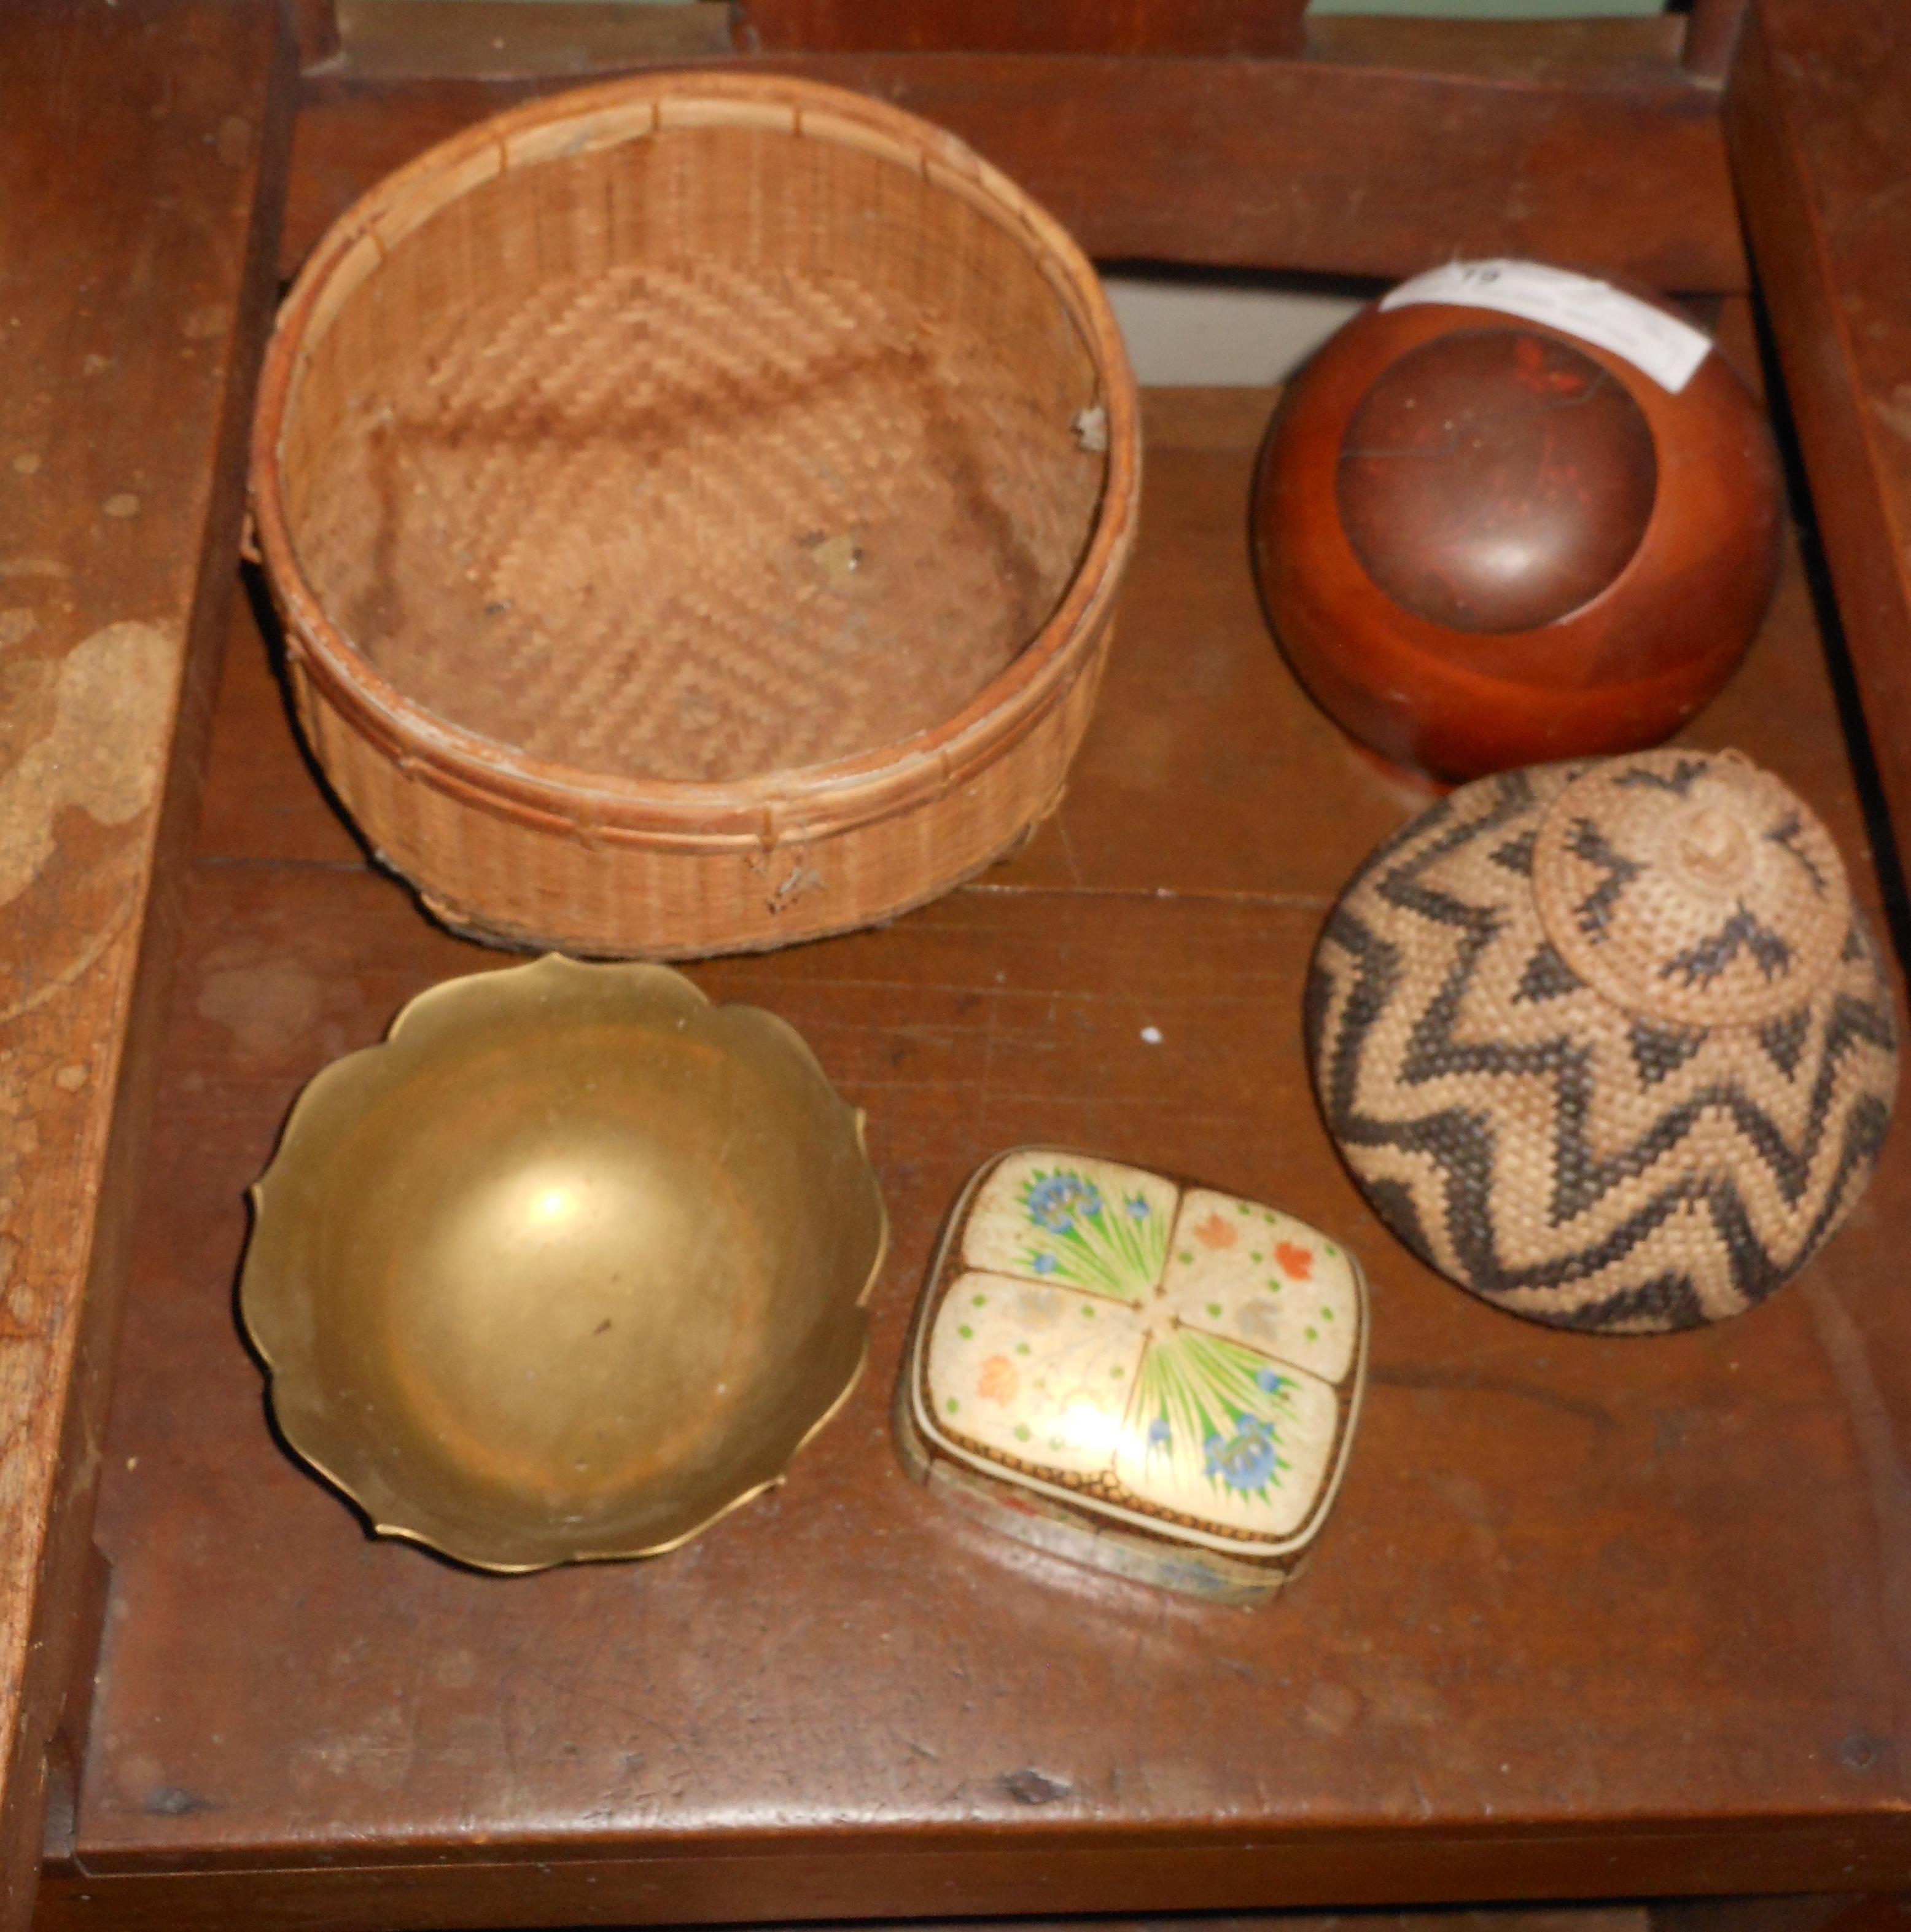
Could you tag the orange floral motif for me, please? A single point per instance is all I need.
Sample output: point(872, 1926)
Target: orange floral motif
point(1216, 1233)
point(998, 1380)
point(1297, 1264)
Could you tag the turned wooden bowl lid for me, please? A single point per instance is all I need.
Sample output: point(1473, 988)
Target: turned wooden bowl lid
point(1495, 479)
point(1691, 888)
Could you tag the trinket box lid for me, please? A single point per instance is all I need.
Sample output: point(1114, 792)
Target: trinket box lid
point(1157, 1358)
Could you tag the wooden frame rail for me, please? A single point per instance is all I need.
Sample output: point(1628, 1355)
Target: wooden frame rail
point(1818, 120)
point(142, 166)
point(1378, 146)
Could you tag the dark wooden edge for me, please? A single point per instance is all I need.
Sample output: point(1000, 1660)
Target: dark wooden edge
point(66, 1753)
point(316, 23)
point(1350, 169)
point(1711, 35)
point(1824, 1911)
point(1789, 220)
point(1614, 51)
point(566, 33)
point(69, 1600)
point(1260, 27)
point(1216, 27)
point(924, 1879)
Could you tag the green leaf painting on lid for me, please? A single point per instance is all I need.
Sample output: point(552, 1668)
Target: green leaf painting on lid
point(1076, 1235)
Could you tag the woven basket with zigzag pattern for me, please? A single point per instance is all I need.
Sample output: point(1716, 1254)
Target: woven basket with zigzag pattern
point(1608, 1044)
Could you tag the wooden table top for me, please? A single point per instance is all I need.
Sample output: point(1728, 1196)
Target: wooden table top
point(142, 153)
point(1592, 1616)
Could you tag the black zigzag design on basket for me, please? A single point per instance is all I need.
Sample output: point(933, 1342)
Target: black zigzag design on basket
point(1517, 854)
point(1705, 959)
point(1786, 836)
point(1659, 1052)
point(1547, 977)
point(1462, 1142)
point(1678, 781)
point(1594, 913)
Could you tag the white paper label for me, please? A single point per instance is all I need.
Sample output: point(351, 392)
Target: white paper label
point(1665, 349)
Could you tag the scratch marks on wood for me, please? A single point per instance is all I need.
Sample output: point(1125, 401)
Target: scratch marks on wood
point(1468, 1380)
point(378, 1754)
point(1330, 1709)
point(174, 1801)
point(1034, 1787)
point(1068, 851)
point(1308, 902)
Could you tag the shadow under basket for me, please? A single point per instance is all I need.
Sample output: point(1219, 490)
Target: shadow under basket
point(696, 506)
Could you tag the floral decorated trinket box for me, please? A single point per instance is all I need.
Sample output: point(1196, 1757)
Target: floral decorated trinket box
point(1153, 1378)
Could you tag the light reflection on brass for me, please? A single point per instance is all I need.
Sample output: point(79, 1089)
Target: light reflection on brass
point(569, 1266)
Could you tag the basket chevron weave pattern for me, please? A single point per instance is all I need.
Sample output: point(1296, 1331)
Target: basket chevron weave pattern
point(1507, 1021)
point(696, 504)
point(696, 518)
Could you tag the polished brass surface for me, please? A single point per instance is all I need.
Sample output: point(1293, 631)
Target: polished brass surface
point(569, 1266)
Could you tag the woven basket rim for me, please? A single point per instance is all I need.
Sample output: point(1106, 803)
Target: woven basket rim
point(764, 807)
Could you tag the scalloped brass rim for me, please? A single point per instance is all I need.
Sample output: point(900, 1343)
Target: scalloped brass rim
point(287, 1296)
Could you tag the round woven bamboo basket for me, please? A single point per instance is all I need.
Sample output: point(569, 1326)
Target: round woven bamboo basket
point(696, 506)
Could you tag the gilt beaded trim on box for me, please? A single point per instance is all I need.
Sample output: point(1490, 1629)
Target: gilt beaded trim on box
point(1608, 1044)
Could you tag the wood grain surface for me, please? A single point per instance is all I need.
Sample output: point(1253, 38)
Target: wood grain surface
point(1592, 1617)
point(1351, 169)
point(1058, 26)
point(573, 39)
point(480, 36)
point(142, 161)
point(1819, 118)
point(1592, 51)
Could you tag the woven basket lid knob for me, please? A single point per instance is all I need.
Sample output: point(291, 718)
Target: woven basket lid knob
point(1691, 888)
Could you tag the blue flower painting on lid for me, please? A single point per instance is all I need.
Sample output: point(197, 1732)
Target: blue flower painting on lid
point(1055, 1203)
point(1245, 1460)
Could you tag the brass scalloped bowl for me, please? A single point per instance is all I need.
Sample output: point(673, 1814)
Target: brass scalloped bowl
point(568, 1267)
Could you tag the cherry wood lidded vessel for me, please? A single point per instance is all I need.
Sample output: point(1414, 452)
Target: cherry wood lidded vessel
point(1509, 515)
point(696, 505)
